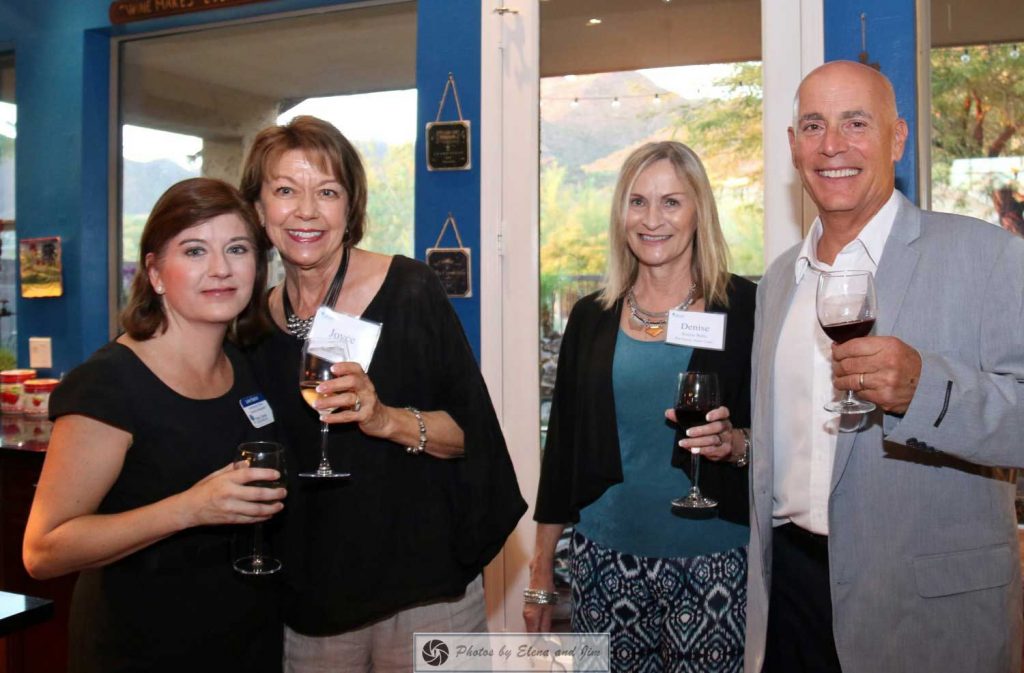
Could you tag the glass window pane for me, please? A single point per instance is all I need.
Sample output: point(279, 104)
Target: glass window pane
point(618, 74)
point(191, 102)
point(977, 146)
point(8, 266)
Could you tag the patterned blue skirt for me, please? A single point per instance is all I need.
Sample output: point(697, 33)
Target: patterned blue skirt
point(663, 614)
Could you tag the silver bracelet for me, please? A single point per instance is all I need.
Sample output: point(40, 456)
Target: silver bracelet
point(540, 597)
point(422, 446)
point(744, 460)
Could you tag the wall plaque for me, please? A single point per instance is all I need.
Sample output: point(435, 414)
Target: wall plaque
point(126, 11)
point(454, 266)
point(449, 143)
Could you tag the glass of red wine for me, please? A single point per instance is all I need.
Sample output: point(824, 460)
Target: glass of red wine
point(847, 308)
point(696, 395)
point(255, 561)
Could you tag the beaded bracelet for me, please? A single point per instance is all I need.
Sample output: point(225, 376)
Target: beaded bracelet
point(540, 597)
point(422, 446)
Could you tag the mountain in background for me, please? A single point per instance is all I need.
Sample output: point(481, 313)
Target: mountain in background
point(145, 181)
point(578, 135)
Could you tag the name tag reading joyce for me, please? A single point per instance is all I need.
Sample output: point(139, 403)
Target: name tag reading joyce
point(696, 330)
point(339, 337)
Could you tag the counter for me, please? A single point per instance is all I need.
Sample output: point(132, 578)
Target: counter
point(36, 632)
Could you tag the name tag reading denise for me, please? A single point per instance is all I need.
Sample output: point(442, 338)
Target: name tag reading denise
point(696, 330)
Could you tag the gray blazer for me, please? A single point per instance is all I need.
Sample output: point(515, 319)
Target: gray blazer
point(923, 549)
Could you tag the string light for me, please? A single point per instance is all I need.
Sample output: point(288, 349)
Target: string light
point(1014, 52)
point(965, 57)
point(657, 99)
point(594, 22)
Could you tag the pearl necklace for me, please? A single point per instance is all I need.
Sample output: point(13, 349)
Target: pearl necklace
point(653, 322)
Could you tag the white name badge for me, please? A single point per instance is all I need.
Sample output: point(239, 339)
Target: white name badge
point(340, 337)
point(696, 330)
point(258, 410)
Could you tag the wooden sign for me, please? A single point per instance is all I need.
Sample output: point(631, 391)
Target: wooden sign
point(126, 11)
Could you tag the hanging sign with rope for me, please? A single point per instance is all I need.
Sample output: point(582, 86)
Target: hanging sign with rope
point(448, 143)
point(452, 265)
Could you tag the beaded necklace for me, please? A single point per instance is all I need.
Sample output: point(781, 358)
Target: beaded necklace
point(300, 326)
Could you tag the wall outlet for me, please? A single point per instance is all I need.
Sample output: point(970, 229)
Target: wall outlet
point(40, 352)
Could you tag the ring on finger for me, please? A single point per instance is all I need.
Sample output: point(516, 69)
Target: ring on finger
point(861, 381)
point(358, 405)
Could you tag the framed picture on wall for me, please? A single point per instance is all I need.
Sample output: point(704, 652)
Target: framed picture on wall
point(40, 263)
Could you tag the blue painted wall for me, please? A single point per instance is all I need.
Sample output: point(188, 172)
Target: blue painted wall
point(892, 43)
point(449, 41)
point(62, 50)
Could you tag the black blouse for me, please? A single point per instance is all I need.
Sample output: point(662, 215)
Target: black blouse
point(581, 455)
point(406, 528)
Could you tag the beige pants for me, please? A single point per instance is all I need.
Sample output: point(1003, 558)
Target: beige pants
point(385, 646)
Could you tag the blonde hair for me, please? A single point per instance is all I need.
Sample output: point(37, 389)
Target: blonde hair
point(711, 253)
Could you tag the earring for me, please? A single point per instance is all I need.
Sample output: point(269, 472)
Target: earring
point(159, 289)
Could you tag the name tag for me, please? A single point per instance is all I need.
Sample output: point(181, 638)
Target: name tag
point(339, 337)
point(696, 330)
point(258, 410)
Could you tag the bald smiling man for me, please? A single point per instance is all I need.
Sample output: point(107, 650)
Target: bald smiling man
point(886, 541)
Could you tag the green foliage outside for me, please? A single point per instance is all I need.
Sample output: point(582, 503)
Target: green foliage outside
point(390, 176)
point(977, 113)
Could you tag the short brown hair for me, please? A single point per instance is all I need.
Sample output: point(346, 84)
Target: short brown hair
point(322, 142)
point(186, 204)
point(711, 252)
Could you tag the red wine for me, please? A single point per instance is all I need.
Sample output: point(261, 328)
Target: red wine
point(688, 417)
point(841, 332)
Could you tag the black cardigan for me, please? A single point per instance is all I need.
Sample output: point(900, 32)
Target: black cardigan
point(581, 455)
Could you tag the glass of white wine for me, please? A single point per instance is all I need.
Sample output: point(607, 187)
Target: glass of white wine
point(314, 371)
point(255, 561)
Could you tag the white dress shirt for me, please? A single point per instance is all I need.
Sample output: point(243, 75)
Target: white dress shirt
point(804, 433)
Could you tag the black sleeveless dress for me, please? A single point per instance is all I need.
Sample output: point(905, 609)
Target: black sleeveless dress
point(177, 605)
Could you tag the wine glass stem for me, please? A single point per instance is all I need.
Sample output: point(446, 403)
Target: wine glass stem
point(695, 468)
point(257, 545)
point(325, 466)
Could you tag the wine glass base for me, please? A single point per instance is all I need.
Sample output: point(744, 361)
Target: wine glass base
point(257, 565)
point(330, 474)
point(694, 502)
point(850, 406)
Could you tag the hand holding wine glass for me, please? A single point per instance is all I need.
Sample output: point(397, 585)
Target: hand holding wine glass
point(697, 394)
point(267, 455)
point(847, 307)
point(313, 371)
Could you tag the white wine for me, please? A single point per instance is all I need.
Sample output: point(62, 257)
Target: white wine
point(309, 393)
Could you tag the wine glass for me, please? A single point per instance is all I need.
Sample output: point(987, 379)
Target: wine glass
point(847, 308)
point(696, 395)
point(269, 455)
point(313, 372)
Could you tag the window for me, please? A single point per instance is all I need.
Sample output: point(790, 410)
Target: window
point(977, 94)
point(8, 257)
point(191, 102)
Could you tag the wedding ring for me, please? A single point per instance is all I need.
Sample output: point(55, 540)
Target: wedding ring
point(358, 405)
point(861, 381)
